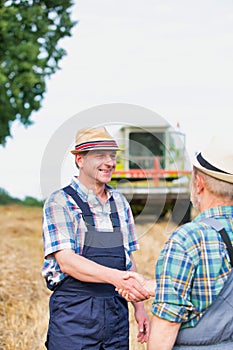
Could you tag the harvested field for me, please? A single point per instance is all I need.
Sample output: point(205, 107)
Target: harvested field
point(23, 294)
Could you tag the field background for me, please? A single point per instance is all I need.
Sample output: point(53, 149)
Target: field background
point(23, 294)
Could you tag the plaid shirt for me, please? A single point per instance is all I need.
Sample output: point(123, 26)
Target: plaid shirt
point(64, 227)
point(192, 269)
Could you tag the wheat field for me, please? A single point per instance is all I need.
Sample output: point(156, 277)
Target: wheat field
point(23, 294)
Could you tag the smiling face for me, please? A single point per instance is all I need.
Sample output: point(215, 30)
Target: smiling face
point(96, 167)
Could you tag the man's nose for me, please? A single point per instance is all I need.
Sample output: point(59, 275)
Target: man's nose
point(109, 159)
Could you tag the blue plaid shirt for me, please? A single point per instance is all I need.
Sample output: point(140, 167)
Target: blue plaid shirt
point(192, 268)
point(64, 227)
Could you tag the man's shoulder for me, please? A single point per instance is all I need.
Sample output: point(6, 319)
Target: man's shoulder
point(57, 196)
point(188, 232)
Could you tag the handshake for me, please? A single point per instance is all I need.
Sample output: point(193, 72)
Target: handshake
point(145, 291)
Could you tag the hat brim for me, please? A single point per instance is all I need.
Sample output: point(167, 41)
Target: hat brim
point(216, 174)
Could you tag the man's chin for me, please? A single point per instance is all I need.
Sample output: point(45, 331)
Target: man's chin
point(104, 180)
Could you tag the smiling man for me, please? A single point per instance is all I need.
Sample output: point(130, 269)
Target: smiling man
point(89, 237)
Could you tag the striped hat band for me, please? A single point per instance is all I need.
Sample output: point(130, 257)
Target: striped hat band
point(87, 146)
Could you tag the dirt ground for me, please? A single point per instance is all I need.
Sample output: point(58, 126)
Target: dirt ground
point(23, 294)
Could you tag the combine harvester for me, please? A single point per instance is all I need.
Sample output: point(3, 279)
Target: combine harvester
point(153, 170)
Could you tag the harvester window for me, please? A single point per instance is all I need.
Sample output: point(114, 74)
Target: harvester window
point(143, 147)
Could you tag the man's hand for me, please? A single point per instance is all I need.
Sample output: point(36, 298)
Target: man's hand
point(148, 285)
point(142, 321)
point(131, 288)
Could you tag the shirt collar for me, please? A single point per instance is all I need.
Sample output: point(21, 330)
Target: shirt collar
point(215, 212)
point(84, 192)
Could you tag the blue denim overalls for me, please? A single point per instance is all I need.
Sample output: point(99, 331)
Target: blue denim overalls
point(214, 331)
point(87, 315)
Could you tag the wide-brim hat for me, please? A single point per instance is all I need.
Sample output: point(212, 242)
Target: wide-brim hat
point(216, 159)
point(94, 139)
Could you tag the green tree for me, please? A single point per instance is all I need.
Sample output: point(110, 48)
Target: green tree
point(29, 34)
point(32, 202)
point(5, 198)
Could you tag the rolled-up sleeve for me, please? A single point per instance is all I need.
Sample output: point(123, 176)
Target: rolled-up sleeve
point(174, 272)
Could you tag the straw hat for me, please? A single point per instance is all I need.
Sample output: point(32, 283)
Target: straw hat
point(94, 139)
point(216, 159)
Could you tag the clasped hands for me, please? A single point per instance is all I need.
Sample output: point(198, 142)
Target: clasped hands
point(142, 290)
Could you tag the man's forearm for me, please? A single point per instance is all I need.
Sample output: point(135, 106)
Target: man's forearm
point(162, 334)
point(81, 268)
point(86, 270)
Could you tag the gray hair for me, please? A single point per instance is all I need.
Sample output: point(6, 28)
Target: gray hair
point(217, 187)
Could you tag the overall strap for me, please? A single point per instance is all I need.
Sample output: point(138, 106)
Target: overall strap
point(87, 214)
point(114, 214)
point(219, 227)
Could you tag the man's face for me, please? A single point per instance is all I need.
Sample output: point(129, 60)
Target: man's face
point(97, 166)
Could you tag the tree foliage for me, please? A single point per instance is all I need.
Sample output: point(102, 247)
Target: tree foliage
point(6, 199)
point(29, 34)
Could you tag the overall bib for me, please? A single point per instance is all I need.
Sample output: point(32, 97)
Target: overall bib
point(87, 315)
point(214, 331)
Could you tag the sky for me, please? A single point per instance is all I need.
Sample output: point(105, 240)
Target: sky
point(173, 57)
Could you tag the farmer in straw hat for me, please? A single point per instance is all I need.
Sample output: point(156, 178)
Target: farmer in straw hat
point(193, 298)
point(89, 237)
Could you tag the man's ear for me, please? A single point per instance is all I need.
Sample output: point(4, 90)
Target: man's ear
point(199, 183)
point(78, 159)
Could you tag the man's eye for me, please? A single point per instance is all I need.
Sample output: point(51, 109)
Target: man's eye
point(100, 155)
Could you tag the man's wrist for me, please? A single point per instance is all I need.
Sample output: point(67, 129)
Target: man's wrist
point(150, 286)
point(138, 305)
